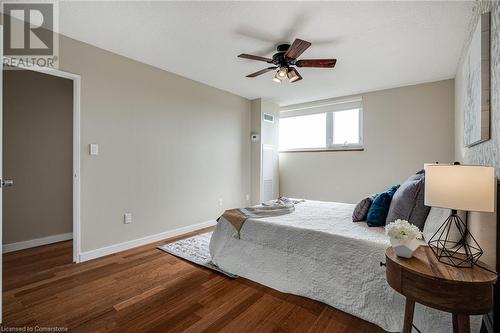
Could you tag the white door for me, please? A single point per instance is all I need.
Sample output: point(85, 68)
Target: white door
point(268, 157)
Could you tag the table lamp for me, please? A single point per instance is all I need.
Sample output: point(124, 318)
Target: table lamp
point(458, 187)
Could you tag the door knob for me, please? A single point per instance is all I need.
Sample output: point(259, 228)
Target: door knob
point(7, 182)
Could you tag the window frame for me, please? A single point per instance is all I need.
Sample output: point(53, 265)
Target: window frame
point(329, 109)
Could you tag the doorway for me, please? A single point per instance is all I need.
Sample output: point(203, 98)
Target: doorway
point(40, 160)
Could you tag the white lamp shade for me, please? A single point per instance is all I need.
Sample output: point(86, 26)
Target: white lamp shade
point(460, 187)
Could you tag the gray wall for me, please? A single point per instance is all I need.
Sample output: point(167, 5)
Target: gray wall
point(483, 225)
point(170, 147)
point(38, 155)
point(403, 129)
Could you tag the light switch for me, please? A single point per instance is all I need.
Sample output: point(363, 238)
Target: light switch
point(94, 149)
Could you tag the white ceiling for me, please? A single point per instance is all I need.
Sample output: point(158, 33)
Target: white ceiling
point(378, 44)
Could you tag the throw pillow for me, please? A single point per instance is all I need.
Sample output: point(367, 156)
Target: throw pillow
point(361, 209)
point(377, 214)
point(408, 202)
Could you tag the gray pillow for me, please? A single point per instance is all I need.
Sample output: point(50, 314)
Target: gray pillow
point(361, 209)
point(408, 202)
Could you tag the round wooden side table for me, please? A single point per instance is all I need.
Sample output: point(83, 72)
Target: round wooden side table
point(423, 279)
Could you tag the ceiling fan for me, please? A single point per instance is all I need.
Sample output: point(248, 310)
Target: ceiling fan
point(286, 58)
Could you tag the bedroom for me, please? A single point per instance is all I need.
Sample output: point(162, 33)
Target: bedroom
point(168, 134)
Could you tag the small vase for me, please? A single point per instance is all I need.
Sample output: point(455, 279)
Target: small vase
point(405, 248)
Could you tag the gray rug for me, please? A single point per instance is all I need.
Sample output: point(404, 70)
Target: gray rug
point(194, 249)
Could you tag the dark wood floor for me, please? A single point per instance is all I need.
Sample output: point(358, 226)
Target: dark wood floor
point(145, 289)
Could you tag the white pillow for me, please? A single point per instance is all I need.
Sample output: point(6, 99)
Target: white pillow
point(436, 218)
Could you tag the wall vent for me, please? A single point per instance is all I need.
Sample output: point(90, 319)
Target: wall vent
point(268, 117)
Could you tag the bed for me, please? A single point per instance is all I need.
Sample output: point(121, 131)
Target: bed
point(318, 252)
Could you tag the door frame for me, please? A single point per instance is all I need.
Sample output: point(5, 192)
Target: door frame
point(1, 172)
point(76, 151)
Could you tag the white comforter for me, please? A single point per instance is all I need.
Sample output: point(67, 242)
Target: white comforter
point(318, 252)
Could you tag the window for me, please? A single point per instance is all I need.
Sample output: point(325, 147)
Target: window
point(337, 129)
point(345, 126)
point(303, 132)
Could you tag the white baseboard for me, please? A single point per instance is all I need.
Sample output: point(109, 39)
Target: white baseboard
point(36, 242)
point(104, 251)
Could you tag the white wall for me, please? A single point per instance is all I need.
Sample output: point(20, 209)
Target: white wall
point(169, 147)
point(483, 225)
point(403, 129)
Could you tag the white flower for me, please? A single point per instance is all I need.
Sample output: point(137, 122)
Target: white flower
point(403, 230)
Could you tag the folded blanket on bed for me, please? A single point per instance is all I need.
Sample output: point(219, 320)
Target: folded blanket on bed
point(238, 216)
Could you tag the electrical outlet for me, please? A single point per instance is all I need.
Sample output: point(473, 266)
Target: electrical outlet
point(127, 218)
point(220, 202)
point(247, 197)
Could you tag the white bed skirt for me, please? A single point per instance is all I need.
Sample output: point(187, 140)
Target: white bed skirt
point(319, 253)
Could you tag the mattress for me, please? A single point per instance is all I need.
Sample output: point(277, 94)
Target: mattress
point(318, 252)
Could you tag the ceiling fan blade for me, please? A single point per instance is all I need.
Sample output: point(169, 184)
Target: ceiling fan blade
point(265, 70)
point(297, 48)
point(254, 57)
point(322, 63)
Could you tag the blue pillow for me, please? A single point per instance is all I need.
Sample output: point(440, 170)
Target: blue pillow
point(379, 209)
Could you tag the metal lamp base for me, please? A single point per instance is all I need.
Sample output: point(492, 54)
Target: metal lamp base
point(464, 252)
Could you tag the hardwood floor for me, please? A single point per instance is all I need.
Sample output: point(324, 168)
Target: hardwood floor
point(146, 289)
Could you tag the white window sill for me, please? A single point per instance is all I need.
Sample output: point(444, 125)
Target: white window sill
point(304, 150)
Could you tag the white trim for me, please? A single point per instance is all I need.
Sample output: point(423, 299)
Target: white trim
point(321, 106)
point(76, 168)
point(1, 171)
point(340, 148)
point(76, 151)
point(36, 242)
point(107, 250)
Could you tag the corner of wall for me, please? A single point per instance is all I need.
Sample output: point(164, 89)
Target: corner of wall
point(255, 151)
point(268, 135)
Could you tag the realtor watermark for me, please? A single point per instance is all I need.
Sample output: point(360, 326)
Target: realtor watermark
point(33, 329)
point(30, 34)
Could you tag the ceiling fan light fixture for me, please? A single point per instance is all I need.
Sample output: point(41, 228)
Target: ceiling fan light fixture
point(282, 73)
point(293, 75)
point(285, 61)
point(276, 78)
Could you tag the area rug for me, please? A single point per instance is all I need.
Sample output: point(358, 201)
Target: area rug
point(194, 249)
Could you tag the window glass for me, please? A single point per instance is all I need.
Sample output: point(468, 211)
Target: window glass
point(303, 132)
point(328, 130)
point(345, 127)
